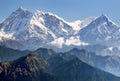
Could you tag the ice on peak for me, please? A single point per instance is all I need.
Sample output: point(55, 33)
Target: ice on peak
point(38, 12)
point(75, 25)
point(49, 13)
point(21, 9)
point(77, 21)
point(101, 20)
point(104, 17)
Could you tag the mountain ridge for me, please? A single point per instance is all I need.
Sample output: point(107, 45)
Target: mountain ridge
point(35, 68)
point(109, 64)
point(25, 30)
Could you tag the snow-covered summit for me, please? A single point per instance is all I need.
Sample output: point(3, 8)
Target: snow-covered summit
point(16, 21)
point(101, 30)
point(37, 29)
point(34, 29)
point(21, 9)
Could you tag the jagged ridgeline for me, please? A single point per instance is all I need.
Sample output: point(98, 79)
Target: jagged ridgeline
point(26, 30)
point(8, 54)
point(59, 67)
point(107, 63)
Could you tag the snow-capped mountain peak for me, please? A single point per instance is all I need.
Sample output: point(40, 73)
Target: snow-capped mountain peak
point(34, 28)
point(16, 21)
point(101, 20)
point(101, 30)
point(37, 29)
point(21, 9)
point(103, 16)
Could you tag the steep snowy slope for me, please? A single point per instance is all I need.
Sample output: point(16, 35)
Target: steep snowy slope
point(101, 31)
point(31, 30)
point(34, 30)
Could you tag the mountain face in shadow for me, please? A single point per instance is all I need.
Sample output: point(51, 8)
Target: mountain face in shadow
point(8, 54)
point(69, 68)
point(59, 67)
point(107, 63)
point(27, 68)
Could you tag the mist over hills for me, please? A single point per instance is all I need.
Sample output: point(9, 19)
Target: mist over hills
point(35, 68)
point(107, 63)
point(41, 46)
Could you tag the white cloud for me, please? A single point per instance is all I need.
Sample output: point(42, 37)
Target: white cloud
point(58, 42)
point(71, 41)
point(74, 41)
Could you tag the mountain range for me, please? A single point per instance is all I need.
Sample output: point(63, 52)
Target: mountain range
point(25, 30)
point(109, 64)
point(35, 68)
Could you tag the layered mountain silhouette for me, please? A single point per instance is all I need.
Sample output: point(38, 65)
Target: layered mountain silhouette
point(8, 54)
point(107, 63)
point(25, 35)
point(63, 67)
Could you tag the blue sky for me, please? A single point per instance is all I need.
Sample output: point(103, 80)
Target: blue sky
point(70, 10)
